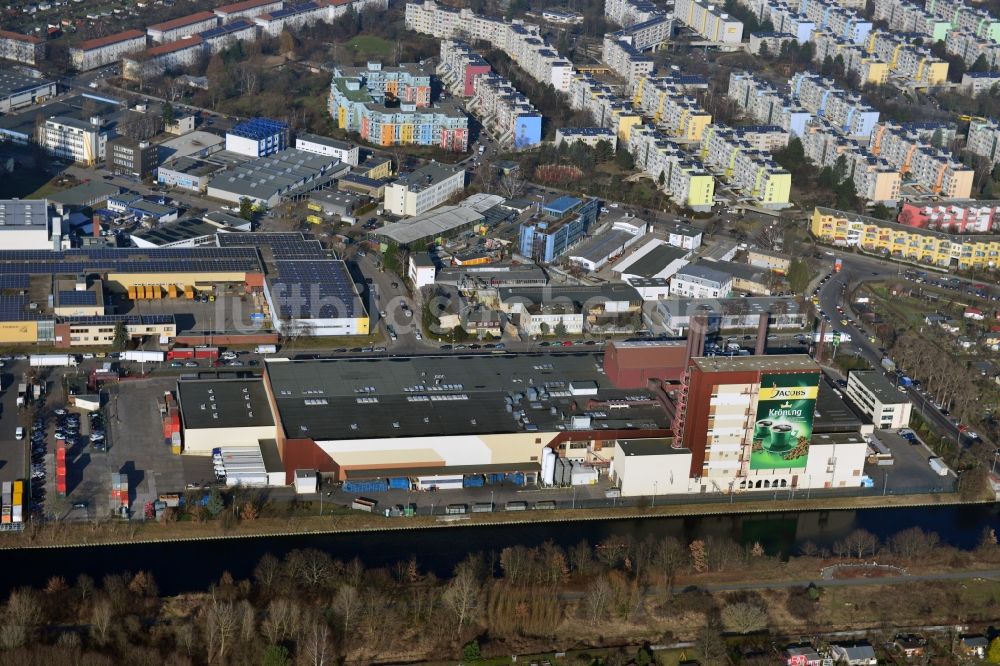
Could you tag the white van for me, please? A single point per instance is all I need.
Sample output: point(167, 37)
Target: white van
point(19, 432)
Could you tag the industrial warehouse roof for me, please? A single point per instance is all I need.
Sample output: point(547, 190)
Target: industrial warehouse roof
point(131, 260)
point(85, 194)
point(653, 262)
point(279, 173)
point(24, 214)
point(575, 294)
point(359, 398)
point(181, 230)
point(789, 362)
point(602, 246)
point(834, 414)
point(751, 305)
point(13, 81)
point(736, 270)
point(441, 221)
point(223, 403)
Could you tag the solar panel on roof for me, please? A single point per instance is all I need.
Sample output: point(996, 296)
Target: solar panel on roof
point(314, 290)
point(77, 298)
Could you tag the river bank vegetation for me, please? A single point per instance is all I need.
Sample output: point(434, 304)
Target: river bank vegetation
point(311, 608)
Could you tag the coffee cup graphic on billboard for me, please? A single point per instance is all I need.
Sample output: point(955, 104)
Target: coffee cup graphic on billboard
point(786, 404)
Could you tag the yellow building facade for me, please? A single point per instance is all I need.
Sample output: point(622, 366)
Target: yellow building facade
point(899, 241)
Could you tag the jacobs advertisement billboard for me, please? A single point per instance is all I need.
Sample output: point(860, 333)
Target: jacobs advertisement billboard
point(785, 407)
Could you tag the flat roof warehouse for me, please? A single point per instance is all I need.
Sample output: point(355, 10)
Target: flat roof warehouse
point(451, 395)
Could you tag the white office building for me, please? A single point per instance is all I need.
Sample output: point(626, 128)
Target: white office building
point(882, 402)
point(421, 190)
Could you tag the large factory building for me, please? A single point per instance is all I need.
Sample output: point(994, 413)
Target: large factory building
point(425, 416)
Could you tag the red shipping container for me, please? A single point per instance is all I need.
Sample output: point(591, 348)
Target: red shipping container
point(180, 353)
point(206, 352)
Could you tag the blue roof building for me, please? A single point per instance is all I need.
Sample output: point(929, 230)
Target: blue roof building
point(258, 137)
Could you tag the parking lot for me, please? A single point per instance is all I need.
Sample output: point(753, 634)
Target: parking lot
point(909, 471)
point(134, 447)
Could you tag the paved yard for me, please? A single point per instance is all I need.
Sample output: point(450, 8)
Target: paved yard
point(135, 437)
point(909, 471)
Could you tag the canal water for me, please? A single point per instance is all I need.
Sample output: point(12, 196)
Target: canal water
point(187, 566)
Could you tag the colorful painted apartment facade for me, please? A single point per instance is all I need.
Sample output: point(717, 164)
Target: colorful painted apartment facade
point(392, 106)
point(898, 241)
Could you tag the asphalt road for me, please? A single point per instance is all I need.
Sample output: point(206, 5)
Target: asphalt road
point(831, 294)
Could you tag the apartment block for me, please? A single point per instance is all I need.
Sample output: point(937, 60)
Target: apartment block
point(897, 241)
point(766, 105)
point(218, 39)
point(721, 144)
point(78, 140)
point(630, 12)
point(709, 21)
point(875, 180)
point(762, 179)
point(589, 136)
point(682, 177)
point(967, 46)
point(507, 113)
point(743, 157)
point(523, 42)
point(915, 64)
point(247, 10)
point(844, 110)
point(908, 17)
point(974, 217)
point(291, 17)
point(407, 83)
point(625, 60)
point(156, 60)
point(670, 108)
point(459, 67)
point(184, 26)
point(95, 53)
point(984, 139)
point(603, 104)
point(845, 23)
point(966, 17)
point(772, 41)
point(907, 150)
point(976, 83)
point(25, 49)
point(784, 16)
point(857, 59)
point(355, 108)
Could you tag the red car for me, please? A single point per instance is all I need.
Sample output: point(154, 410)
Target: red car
point(567, 343)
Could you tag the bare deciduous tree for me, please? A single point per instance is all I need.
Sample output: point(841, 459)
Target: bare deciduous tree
point(345, 604)
point(100, 621)
point(463, 594)
point(316, 645)
point(744, 618)
point(597, 598)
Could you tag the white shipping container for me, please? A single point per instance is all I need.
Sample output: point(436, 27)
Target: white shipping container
point(143, 356)
point(249, 480)
point(52, 360)
point(442, 482)
point(938, 466)
point(16, 514)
